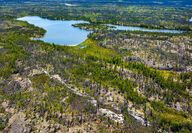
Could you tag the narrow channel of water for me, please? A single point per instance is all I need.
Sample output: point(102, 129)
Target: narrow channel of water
point(143, 29)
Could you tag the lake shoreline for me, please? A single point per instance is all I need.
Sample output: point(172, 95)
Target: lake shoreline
point(63, 32)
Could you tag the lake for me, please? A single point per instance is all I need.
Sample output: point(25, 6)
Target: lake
point(130, 28)
point(58, 31)
point(62, 32)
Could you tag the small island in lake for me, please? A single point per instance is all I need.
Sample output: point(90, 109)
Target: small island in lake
point(93, 26)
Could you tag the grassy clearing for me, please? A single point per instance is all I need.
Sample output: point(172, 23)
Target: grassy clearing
point(93, 49)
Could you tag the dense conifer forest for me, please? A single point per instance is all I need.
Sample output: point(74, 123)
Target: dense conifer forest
point(122, 81)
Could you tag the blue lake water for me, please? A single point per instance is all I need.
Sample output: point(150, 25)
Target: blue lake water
point(58, 31)
point(129, 28)
point(190, 20)
point(62, 32)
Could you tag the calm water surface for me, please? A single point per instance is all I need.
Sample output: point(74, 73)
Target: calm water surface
point(59, 32)
point(143, 29)
point(62, 32)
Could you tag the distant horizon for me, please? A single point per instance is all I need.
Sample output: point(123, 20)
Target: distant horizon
point(186, 3)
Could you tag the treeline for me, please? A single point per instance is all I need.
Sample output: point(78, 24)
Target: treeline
point(156, 17)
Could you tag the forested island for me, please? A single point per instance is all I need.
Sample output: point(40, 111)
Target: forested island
point(115, 81)
point(93, 26)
